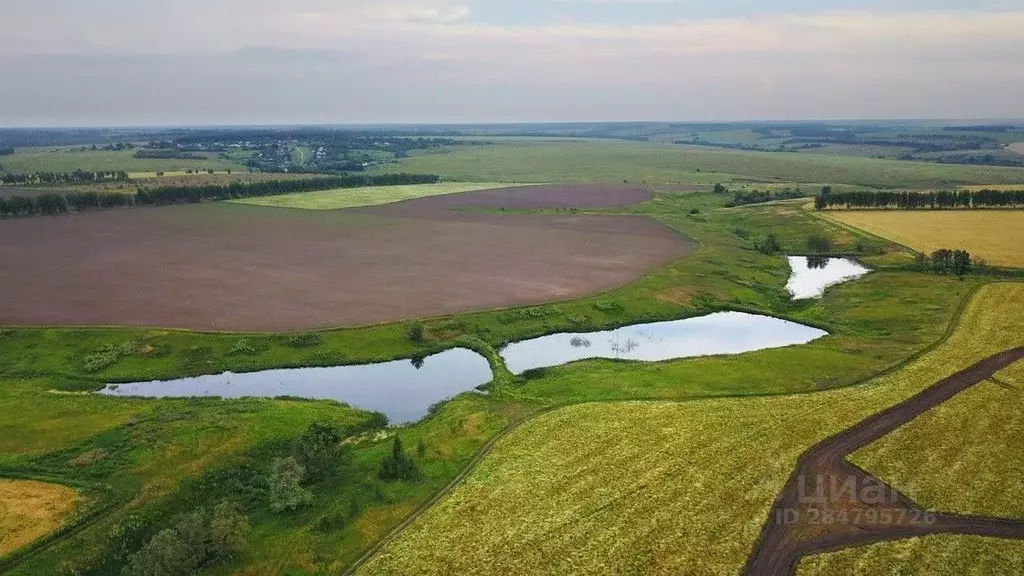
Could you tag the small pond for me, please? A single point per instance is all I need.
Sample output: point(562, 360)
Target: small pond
point(812, 275)
point(403, 390)
point(719, 333)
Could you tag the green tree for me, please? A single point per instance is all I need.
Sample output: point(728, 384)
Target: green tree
point(961, 264)
point(228, 529)
point(167, 554)
point(398, 465)
point(286, 491)
point(720, 188)
point(416, 332)
point(319, 450)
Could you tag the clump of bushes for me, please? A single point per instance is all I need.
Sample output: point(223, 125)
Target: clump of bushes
point(609, 306)
point(196, 541)
point(534, 373)
point(398, 465)
point(305, 340)
point(246, 347)
point(416, 333)
point(108, 355)
point(946, 261)
point(819, 243)
point(769, 245)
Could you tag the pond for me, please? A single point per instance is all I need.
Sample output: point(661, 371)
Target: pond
point(812, 275)
point(403, 390)
point(719, 333)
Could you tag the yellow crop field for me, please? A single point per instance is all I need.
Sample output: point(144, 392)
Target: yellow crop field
point(30, 510)
point(942, 555)
point(372, 196)
point(659, 487)
point(965, 456)
point(995, 235)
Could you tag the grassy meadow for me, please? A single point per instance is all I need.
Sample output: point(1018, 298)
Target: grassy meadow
point(965, 456)
point(943, 555)
point(31, 509)
point(371, 196)
point(652, 487)
point(65, 159)
point(613, 161)
point(993, 235)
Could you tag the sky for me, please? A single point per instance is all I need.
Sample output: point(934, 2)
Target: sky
point(220, 62)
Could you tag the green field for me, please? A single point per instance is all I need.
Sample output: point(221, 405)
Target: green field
point(614, 467)
point(652, 487)
point(965, 456)
point(930, 556)
point(599, 161)
point(372, 196)
point(65, 159)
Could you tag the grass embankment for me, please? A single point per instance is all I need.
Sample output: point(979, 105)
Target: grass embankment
point(965, 456)
point(162, 457)
point(374, 196)
point(994, 235)
point(606, 161)
point(942, 555)
point(661, 488)
point(30, 510)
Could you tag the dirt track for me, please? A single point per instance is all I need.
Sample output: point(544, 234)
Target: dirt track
point(232, 267)
point(816, 512)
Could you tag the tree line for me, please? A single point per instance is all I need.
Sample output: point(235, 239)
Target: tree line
point(50, 204)
point(192, 194)
point(943, 199)
point(76, 177)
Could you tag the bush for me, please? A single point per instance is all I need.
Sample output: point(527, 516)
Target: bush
point(398, 465)
point(609, 306)
point(285, 483)
point(307, 340)
point(818, 243)
point(534, 373)
point(318, 450)
point(770, 245)
point(416, 333)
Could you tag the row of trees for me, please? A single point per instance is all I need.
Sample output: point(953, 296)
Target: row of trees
point(743, 198)
point(195, 541)
point(76, 177)
point(943, 199)
point(192, 194)
point(49, 204)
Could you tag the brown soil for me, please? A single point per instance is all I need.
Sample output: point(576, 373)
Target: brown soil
point(232, 267)
point(519, 198)
point(818, 512)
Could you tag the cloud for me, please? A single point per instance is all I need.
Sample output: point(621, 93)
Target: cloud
point(351, 60)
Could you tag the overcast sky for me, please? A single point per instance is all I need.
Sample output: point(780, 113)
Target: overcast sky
point(132, 62)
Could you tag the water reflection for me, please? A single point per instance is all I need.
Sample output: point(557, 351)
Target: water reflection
point(811, 275)
point(720, 333)
point(403, 390)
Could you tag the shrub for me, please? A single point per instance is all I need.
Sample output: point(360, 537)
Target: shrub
point(318, 450)
point(285, 483)
point(306, 340)
point(534, 373)
point(818, 243)
point(416, 333)
point(609, 306)
point(770, 245)
point(398, 465)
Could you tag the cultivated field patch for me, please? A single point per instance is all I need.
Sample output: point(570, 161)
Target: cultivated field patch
point(233, 267)
point(1017, 147)
point(942, 555)
point(964, 457)
point(30, 510)
point(609, 161)
point(372, 196)
point(659, 488)
point(994, 235)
